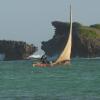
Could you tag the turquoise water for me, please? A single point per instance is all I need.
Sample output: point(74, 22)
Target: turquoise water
point(78, 81)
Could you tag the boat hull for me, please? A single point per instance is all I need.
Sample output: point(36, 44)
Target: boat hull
point(41, 65)
point(50, 65)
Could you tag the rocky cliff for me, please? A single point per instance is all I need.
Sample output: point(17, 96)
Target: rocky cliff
point(85, 43)
point(16, 50)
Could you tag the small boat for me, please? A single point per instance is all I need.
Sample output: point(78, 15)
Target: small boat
point(65, 55)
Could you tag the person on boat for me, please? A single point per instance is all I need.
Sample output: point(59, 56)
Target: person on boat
point(44, 59)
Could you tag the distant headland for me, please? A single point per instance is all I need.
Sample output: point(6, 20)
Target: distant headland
point(85, 43)
point(15, 50)
point(86, 40)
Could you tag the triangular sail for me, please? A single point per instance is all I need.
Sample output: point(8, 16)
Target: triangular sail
point(65, 55)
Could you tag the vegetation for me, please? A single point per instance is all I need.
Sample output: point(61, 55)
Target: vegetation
point(97, 26)
point(88, 33)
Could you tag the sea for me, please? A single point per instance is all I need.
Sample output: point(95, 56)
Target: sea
point(80, 80)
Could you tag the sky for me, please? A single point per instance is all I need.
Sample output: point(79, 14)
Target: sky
point(30, 20)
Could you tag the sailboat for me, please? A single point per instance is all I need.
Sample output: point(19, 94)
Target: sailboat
point(65, 56)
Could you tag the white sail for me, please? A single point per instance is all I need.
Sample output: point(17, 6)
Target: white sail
point(66, 53)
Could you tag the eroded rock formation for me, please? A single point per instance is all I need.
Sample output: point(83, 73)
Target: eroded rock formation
point(85, 43)
point(16, 50)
